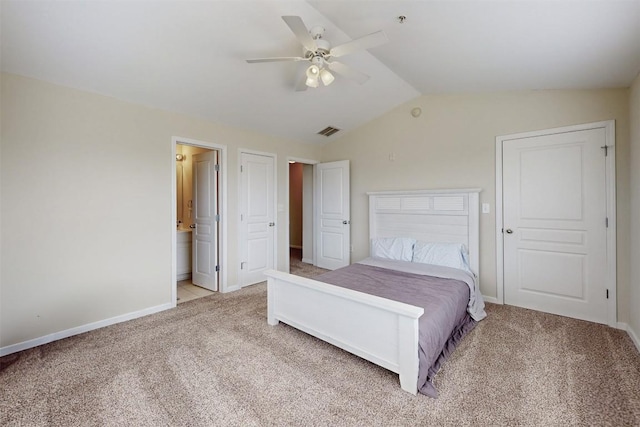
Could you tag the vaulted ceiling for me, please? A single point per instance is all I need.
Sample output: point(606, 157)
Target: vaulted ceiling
point(189, 56)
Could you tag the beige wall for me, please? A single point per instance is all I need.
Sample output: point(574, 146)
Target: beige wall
point(85, 214)
point(634, 113)
point(86, 204)
point(452, 144)
point(295, 204)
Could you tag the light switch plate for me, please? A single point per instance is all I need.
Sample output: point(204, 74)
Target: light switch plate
point(486, 208)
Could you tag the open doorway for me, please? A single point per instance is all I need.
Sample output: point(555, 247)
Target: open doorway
point(199, 222)
point(301, 239)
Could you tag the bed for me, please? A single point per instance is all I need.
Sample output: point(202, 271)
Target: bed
point(379, 327)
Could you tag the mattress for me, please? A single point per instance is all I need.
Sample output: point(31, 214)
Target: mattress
point(445, 301)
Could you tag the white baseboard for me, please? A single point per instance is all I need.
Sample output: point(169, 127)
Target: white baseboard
point(307, 261)
point(634, 338)
point(632, 334)
point(14, 348)
point(184, 276)
point(231, 289)
point(493, 300)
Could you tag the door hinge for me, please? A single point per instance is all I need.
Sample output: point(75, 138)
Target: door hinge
point(606, 150)
point(241, 168)
point(607, 293)
point(242, 265)
point(217, 268)
point(606, 222)
point(217, 218)
point(216, 168)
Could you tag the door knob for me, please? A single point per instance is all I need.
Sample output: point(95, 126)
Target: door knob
point(272, 224)
point(345, 222)
point(509, 231)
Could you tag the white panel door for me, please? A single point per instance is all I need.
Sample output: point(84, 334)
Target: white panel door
point(205, 235)
point(333, 241)
point(555, 257)
point(257, 217)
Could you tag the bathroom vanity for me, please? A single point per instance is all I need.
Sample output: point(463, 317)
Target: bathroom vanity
point(183, 253)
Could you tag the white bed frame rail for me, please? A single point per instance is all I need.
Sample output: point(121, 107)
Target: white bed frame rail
point(379, 330)
point(382, 331)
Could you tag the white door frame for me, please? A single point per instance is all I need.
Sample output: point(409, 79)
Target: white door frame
point(610, 185)
point(222, 194)
point(275, 205)
point(287, 212)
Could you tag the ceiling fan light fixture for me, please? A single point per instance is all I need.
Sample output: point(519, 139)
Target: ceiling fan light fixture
point(326, 77)
point(313, 72)
point(312, 82)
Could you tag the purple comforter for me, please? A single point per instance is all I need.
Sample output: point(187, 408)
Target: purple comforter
point(445, 320)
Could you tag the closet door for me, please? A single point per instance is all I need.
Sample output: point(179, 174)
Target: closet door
point(555, 228)
point(257, 217)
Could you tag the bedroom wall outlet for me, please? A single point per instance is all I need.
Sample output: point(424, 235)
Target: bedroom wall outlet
point(486, 208)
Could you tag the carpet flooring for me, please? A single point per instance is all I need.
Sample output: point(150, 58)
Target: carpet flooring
point(299, 268)
point(214, 361)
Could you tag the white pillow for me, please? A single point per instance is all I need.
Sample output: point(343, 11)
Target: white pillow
point(395, 248)
point(445, 254)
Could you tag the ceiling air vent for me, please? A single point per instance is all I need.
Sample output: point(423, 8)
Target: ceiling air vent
point(328, 131)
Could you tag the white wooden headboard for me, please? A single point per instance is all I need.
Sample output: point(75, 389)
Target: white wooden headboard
point(443, 216)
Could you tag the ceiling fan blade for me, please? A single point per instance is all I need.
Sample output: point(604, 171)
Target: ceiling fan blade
point(277, 59)
point(366, 42)
point(348, 72)
point(300, 30)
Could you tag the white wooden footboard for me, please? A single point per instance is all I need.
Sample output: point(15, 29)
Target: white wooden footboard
point(382, 331)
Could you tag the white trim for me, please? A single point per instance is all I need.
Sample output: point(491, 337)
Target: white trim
point(274, 156)
point(288, 209)
point(82, 329)
point(301, 160)
point(499, 237)
point(610, 182)
point(307, 261)
point(174, 222)
point(634, 337)
point(492, 300)
point(610, 178)
point(224, 220)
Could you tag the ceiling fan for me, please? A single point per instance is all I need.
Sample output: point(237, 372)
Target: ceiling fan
point(320, 54)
